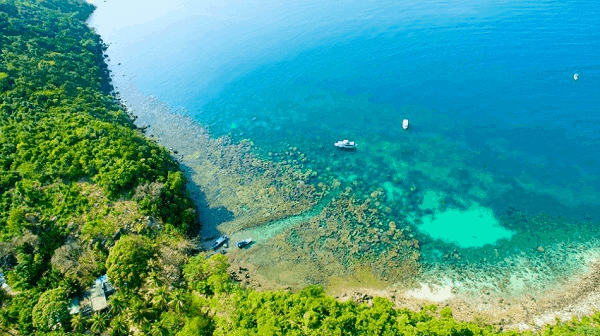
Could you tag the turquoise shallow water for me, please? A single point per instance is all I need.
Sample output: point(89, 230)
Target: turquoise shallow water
point(501, 135)
point(475, 226)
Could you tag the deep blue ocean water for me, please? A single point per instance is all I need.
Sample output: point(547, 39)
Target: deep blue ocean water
point(497, 121)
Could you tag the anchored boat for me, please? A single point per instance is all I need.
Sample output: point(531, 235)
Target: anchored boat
point(405, 124)
point(244, 243)
point(346, 144)
point(220, 241)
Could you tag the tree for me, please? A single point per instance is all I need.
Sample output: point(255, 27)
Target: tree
point(98, 323)
point(139, 312)
point(178, 301)
point(218, 279)
point(78, 323)
point(4, 297)
point(4, 321)
point(65, 258)
point(446, 313)
point(197, 326)
point(127, 262)
point(118, 303)
point(195, 273)
point(51, 310)
point(172, 321)
point(160, 298)
point(208, 276)
point(119, 326)
point(158, 329)
point(27, 272)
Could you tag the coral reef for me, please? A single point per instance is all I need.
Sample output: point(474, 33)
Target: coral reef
point(346, 237)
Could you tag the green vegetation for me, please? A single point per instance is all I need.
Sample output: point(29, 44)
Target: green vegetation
point(127, 263)
point(51, 312)
point(83, 193)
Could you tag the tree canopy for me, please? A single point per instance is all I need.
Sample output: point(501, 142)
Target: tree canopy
point(127, 263)
point(51, 311)
point(80, 187)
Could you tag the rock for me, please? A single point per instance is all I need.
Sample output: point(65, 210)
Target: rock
point(540, 249)
point(361, 298)
point(31, 218)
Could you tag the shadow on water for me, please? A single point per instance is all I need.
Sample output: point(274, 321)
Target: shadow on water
point(210, 218)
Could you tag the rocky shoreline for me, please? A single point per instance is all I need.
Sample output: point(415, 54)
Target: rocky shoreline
point(478, 300)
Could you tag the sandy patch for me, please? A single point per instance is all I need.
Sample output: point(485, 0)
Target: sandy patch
point(431, 292)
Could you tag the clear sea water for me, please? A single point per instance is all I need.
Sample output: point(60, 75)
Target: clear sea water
point(498, 124)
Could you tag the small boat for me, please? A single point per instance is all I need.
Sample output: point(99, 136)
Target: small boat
point(405, 124)
point(576, 76)
point(244, 243)
point(220, 241)
point(346, 144)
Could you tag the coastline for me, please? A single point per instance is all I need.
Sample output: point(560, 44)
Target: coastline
point(523, 311)
point(520, 308)
point(478, 300)
point(111, 201)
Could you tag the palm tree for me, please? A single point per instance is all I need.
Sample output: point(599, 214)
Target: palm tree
point(139, 312)
point(153, 279)
point(118, 303)
point(159, 301)
point(119, 326)
point(98, 323)
point(5, 327)
point(149, 312)
point(136, 316)
point(78, 323)
point(158, 330)
point(178, 302)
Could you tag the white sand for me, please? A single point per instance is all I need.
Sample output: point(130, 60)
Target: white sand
point(430, 292)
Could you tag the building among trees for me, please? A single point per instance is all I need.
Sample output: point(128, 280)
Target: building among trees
point(94, 299)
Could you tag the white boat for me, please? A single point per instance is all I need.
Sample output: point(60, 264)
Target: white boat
point(244, 243)
point(576, 76)
point(346, 144)
point(405, 124)
point(220, 241)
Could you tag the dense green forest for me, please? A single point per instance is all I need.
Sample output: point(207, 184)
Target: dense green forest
point(83, 193)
